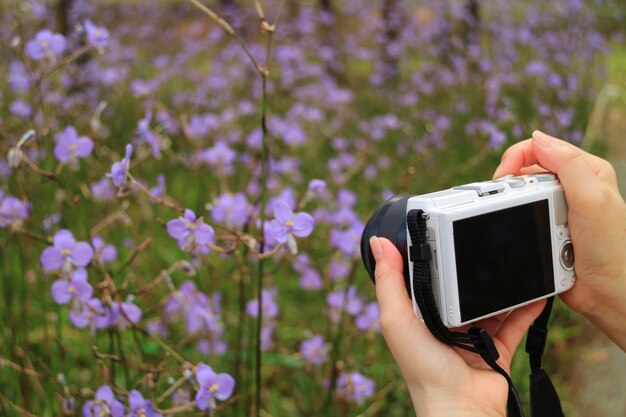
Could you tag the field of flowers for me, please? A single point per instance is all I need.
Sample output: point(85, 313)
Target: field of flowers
point(166, 165)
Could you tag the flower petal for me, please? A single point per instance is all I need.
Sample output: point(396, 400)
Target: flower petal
point(204, 234)
point(51, 259)
point(283, 212)
point(177, 229)
point(62, 151)
point(204, 374)
point(303, 224)
point(225, 386)
point(135, 400)
point(82, 254)
point(277, 231)
point(60, 290)
point(190, 216)
point(63, 239)
point(203, 398)
point(84, 146)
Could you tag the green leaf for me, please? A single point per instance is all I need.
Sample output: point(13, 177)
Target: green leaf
point(282, 360)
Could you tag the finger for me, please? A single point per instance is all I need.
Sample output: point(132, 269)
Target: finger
point(578, 171)
point(390, 290)
point(492, 324)
point(516, 325)
point(527, 153)
point(516, 157)
point(405, 334)
point(533, 169)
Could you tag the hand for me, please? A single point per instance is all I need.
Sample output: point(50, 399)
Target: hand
point(597, 224)
point(443, 381)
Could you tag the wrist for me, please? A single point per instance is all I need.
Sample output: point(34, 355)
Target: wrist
point(437, 403)
point(608, 315)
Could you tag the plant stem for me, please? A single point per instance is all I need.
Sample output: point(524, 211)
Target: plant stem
point(261, 264)
point(337, 340)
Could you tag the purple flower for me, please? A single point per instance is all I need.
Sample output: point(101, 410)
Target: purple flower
point(104, 405)
point(19, 79)
point(310, 280)
point(213, 386)
point(219, 156)
point(21, 109)
point(347, 241)
point(140, 407)
point(104, 253)
point(102, 190)
point(353, 386)
point(190, 231)
point(97, 36)
point(319, 187)
point(267, 333)
point(64, 291)
point(286, 223)
point(45, 44)
point(314, 350)
point(338, 270)
point(269, 306)
point(346, 198)
point(201, 125)
point(123, 314)
point(159, 189)
point(231, 210)
point(347, 300)
point(70, 146)
point(13, 211)
point(147, 135)
point(119, 170)
point(65, 252)
point(369, 319)
point(497, 138)
point(91, 313)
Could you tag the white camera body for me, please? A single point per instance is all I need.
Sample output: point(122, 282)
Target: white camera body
point(495, 246)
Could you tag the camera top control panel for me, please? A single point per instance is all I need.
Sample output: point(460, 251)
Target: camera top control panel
point(497, 186)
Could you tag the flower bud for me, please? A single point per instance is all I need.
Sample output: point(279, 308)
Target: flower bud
point(14, 157)
point(187, 268)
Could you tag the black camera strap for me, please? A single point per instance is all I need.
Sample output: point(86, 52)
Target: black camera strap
point(544, 400)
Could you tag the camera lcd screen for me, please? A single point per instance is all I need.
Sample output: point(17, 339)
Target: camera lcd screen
point(503, 258)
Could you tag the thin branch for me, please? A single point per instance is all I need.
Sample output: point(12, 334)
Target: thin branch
point(229, 29)
point(137, 250)
point(159, 200)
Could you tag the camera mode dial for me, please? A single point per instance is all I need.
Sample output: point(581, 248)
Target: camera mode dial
point(566, 255)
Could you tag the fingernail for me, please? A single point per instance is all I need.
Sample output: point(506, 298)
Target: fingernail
point(377, 250)
point(542, 139)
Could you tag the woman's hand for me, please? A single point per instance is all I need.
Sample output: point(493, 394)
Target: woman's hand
point(443, 381)
point(597, 224)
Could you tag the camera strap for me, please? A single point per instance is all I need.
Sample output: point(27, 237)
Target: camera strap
point(544, 400)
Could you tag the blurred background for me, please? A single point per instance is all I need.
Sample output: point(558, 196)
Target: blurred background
point(246, 113)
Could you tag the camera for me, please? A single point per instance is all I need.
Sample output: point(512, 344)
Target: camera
point(493, 245)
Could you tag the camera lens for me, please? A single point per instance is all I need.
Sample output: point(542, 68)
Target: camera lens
point(388, 221)
point(567, 255)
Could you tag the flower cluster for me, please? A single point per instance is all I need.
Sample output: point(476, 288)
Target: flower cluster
point(192, 234)
point(353, 386)
point(105, 404)
point(269, 310)
point(201, 315)
point(278, 204)
point(13, 211)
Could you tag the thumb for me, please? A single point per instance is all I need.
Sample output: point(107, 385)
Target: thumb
point(390, 290)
